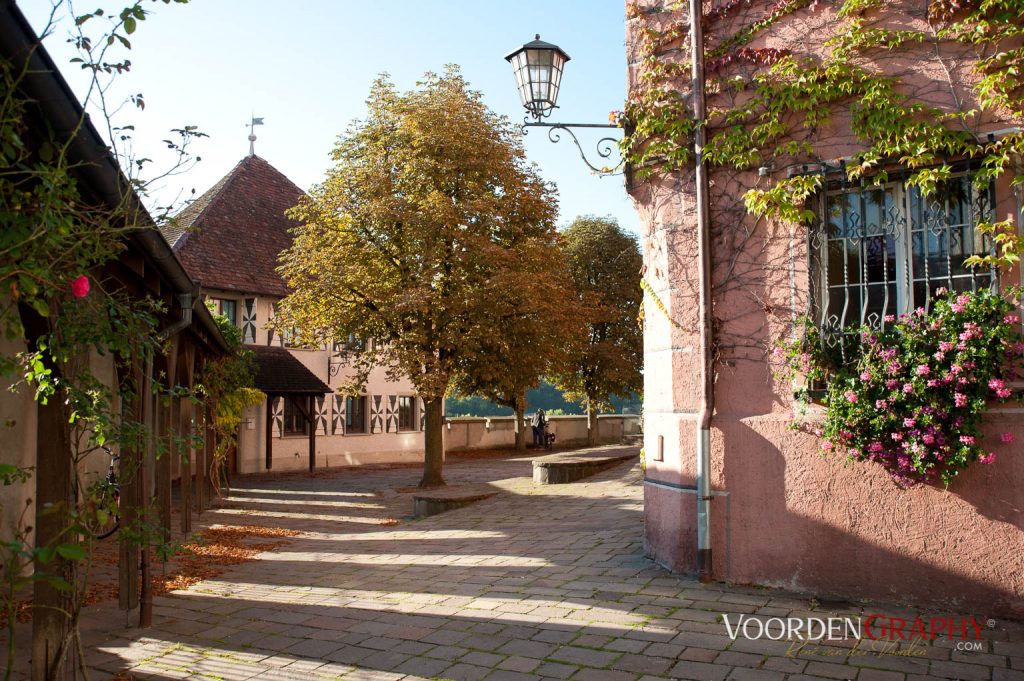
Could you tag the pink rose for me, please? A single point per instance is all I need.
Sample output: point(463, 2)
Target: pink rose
point(967, 439)
point(987, 459)
point(80, 287)
point(851, 396)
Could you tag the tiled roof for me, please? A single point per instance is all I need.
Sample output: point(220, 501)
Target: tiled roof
point(280, 373)
point(230, 237)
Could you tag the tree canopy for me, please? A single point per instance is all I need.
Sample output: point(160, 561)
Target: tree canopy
point(604, 263)
point(423, 236)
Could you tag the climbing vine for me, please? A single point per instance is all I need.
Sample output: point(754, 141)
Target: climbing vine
point(768, 105)
point(807, 95)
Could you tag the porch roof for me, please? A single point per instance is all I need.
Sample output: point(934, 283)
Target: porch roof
point(280, 373)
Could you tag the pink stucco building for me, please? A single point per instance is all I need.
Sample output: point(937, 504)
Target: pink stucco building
point(783, 514)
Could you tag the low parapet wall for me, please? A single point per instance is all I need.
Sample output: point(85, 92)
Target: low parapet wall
point(463, 433)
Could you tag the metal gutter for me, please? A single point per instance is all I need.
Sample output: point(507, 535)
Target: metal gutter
point(707, 398)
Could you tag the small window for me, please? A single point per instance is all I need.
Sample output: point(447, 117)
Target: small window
point(227, 308)
point(355, 414)
point(406, 412)
point(294, 420)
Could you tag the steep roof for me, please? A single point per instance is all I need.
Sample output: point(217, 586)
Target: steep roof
point(278, 372)
point(230, 237)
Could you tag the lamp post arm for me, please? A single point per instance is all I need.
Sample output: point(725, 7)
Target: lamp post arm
point(604, 146)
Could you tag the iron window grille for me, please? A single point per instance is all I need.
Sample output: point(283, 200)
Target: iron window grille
point(882, 251)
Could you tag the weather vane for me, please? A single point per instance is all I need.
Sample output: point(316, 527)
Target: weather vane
point(252, 137)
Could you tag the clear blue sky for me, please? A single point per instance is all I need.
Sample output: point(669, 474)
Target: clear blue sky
point(306, 67)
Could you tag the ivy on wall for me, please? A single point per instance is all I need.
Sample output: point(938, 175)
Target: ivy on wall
point(767, 103)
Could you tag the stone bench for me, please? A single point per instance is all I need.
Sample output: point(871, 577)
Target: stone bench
point(439, 501)
point(559, 469)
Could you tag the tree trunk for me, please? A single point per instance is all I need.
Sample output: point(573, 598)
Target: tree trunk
point(591, 423)
point(433, 442)
point(520, 410)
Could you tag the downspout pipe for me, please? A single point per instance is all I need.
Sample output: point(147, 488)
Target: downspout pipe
point(707, 397)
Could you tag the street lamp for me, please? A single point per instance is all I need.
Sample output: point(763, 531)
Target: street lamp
point(537, 67)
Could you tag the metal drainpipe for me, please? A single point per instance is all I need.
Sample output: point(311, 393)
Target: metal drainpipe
point(707, 398)
point(185, 301)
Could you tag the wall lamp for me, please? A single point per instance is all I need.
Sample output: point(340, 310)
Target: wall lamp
point(537, 67)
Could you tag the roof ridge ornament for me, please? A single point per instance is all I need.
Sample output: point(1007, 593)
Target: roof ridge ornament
point(252, 137)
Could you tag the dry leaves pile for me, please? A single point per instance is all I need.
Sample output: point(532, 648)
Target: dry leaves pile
point(205, 557)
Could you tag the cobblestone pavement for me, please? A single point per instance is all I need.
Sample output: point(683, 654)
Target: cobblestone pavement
point(534, 583)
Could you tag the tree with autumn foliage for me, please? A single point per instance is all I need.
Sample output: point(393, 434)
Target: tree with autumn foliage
point(538, 326)
point(421, 237)
point(604, 263)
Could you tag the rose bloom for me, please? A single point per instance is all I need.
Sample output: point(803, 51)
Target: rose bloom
point(891, 383)
point(865, 376)
point(956, 307)
point(960, 399)
point(80, 287)
point(923, 370)
point(881, 404)
point(908, 423)
point(1004, 393)
point(851, 396)
point(967, 439)
point(987, 459)
point(996, 383)
point(908, 388)
point(928, 439)
point(946, 346)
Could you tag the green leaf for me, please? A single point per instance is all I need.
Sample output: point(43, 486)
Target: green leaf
point(129, 25)
point(71, 551)
point(41, 307)
point(46, 554)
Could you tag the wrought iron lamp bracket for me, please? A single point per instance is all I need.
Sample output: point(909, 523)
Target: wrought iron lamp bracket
point(604, 146)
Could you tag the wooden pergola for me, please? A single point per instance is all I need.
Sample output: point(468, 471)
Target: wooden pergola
point(281, 376)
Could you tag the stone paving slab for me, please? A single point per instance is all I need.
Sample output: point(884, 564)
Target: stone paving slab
point(533, 583)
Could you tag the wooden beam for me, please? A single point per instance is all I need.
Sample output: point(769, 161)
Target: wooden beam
point(270, 430)
point(186, 409)
point(312, 435)
point(169, 409)
point(151, 419)
point(53, 503)
point(130, 484)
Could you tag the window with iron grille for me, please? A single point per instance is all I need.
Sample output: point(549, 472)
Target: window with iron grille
point(881, 251)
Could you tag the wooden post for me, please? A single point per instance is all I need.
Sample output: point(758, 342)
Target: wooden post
point(203, 460)
point(270, 430)
point(185, 432)
point(170, 410)
point(311, 419)
point(53, 500)
point(151, 419)
point(186, 409)
point(130, 482)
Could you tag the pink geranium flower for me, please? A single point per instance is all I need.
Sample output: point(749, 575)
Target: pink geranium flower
point(80, 287)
